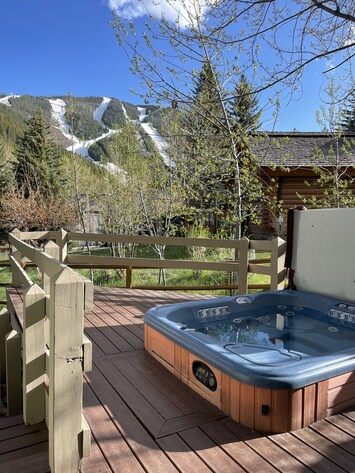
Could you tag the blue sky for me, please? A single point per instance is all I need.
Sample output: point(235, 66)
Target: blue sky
point(52, 47)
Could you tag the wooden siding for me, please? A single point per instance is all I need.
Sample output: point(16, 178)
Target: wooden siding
point(288, 409)
point(288, 186)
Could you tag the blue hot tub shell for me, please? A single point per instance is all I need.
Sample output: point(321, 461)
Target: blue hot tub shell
point(278, 358)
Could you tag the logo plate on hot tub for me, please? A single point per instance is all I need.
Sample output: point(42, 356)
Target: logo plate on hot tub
point(243, 300)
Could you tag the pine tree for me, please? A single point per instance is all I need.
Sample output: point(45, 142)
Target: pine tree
point(244, 108)
point(215, 155)
point(203, 139)
point(6, 169)
point(39, 164)
point(348, 115)
point(206, 87)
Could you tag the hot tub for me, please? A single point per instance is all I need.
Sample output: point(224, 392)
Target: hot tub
point(274, 361)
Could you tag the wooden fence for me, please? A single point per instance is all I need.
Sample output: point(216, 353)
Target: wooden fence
point(242, 264)
point(44, 352)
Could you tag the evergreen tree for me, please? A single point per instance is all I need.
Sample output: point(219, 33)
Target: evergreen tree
point(6, 169)
point(203, 140)
point(348, 115)
point(244, 108)
point(217, 162)
point(244, 116)
point(39, 164)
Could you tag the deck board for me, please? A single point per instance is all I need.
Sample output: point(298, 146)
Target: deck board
point(143, 419)
point(281, 459)
point(239, 451)
point(326, 448)
point(306, 454)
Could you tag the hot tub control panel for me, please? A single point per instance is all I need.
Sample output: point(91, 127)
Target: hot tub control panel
point(204, 375)
point(343, 314)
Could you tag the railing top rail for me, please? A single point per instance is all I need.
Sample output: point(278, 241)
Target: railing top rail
point(26, 281)
point(46, 263)
point(112, 261)
point(39, 235)
point(146, 239)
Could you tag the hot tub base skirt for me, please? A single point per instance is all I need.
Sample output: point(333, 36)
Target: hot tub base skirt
point(265, 410)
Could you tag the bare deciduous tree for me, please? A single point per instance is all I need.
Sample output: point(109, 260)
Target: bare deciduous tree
point(271, 40)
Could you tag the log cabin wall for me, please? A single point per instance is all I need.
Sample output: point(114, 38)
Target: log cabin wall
point(286, 160)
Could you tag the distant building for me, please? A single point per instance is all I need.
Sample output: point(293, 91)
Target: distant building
point(288, 159)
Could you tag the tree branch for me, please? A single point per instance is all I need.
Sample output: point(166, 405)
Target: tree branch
point(336, 12)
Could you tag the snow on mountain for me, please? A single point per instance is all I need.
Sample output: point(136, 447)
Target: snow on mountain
point(5, 100)
point(142, 114)
point(101, 109)
point(58, 115)
point(115, 170)
point(79, 146)
point(82, 147)
point(153, 134)
point(150, 130)
point(157, 139)
point(125, 114)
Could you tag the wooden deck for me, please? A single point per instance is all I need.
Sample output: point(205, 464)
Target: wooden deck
point(143, 419)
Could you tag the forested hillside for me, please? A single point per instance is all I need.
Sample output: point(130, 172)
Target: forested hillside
point(62, 159)
point(87, 122)
point(100, 164)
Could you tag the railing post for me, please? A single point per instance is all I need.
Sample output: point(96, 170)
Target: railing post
point(277, 264)
point(65, 405)
point(17, 256)
point(129, 277)
point(51, 249)
point(5, 328)
point(13, 373)
point(243, 266)
point(62, 242)
point(33, 355)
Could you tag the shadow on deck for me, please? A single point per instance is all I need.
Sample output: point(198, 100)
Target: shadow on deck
point(143, 419)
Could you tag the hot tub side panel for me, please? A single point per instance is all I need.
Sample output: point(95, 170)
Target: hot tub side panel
point(341, 393)
point(266, 410)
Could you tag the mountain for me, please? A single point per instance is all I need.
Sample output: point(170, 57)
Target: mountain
point(93, 123)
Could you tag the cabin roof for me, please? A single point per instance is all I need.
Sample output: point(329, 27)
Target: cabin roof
point(300, 149)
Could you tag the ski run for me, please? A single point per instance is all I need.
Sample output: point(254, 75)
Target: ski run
point(81, 146)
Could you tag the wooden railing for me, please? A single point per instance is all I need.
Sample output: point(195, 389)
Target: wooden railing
point(242, 264)
point(44, 352)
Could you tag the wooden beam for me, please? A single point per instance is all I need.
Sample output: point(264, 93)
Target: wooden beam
point(19, 275)
point(5, 328)
point(66, 316)
point(46, 263)
point(149, 240)
point(102, 261)
point(34, 304)
point(13, 373)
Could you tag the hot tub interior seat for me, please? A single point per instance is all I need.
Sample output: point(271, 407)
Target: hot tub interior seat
point(263, 355)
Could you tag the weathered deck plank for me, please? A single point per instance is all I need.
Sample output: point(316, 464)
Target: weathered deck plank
point(326, 448)
point(143, 419)
point(239, 451)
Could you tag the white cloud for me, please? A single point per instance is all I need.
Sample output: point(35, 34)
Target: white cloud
point(171, 10)
point(351, 36)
